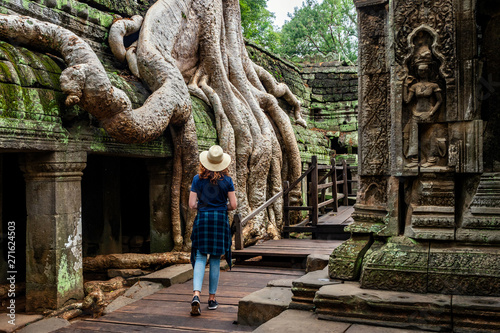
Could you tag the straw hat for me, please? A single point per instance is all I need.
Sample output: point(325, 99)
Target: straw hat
point(215, 159)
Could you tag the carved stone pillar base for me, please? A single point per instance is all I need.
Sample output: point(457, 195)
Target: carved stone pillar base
point(431, 214)
point(404, 264)
point(54, 271)
point(481, 222)
point(464, 270)
point(399, 265)
point(345, 261)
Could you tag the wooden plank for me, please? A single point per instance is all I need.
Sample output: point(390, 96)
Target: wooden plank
point(345, 188)
point(327, 202)
point(92, 325)
point(335, 205)
point(284, 247)
point(280, 242)
point(339, 218)
point(323, 186)
point(324, 167)
point(274, 272)
point(313, 216)
point(214, 320)
point(286, 203)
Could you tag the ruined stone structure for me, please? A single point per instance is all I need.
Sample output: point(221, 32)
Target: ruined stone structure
point(73, 189)
point(427, 217)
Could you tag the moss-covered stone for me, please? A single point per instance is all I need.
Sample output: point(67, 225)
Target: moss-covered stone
point(205, 124)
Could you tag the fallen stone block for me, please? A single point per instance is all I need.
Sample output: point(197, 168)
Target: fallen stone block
point(263, 305)
point(171, 275)
point(139, 290)
point(350, 303)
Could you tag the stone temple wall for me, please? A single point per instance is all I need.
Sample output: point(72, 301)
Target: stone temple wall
point(328, 92)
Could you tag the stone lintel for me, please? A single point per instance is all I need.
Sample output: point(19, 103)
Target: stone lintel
point(365, 3)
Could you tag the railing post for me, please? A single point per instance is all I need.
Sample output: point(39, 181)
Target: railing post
point(346, 188)
point(238, 236)
point(286, 204)
point(314, 192)
point(334, 186)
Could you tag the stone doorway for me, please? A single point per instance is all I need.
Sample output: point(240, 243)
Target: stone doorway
point(115, 205)
point(12, 209)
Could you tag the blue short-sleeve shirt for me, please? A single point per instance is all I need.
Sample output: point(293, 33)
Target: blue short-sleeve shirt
point(210, 196)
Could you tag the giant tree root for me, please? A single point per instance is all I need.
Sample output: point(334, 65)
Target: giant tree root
point(99, 294)
point(134, 260)
point(185, 46)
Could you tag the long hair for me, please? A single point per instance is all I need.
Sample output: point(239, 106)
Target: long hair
point(214, 176)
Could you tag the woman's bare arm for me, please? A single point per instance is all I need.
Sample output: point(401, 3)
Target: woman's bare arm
point(193, 200)
point(232, 201)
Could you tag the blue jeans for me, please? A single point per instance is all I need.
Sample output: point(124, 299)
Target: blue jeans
point(199, 272)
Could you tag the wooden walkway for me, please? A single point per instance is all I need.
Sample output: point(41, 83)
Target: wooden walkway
point(168, 309)
point(288, 248)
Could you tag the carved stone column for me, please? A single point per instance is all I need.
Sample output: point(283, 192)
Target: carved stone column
point(54, 271)
point(160, 181)
point(376, 208)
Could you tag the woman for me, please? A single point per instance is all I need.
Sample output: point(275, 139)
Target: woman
point(210, 191)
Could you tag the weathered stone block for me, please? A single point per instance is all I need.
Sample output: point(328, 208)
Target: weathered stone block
point(171, 275)
point(348, 302)
point(263, 305)
point(316, 262)
point(464, 270)
point(399, 265)
point(305, 287)
point(345, 261)
point(476, 314)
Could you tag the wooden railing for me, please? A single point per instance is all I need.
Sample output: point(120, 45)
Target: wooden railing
point(316, 189)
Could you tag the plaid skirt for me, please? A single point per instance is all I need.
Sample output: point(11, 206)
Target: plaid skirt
point(211, 235)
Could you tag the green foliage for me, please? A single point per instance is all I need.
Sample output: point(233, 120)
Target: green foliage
point(321, 29)
point(257, 23)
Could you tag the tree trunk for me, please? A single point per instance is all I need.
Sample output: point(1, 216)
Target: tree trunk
point(186, 46)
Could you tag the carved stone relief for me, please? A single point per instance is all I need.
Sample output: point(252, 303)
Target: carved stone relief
point(424, 137)
point(435, 15)
point(374, 116)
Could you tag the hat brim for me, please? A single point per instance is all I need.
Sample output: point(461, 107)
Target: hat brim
point(226, 160)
